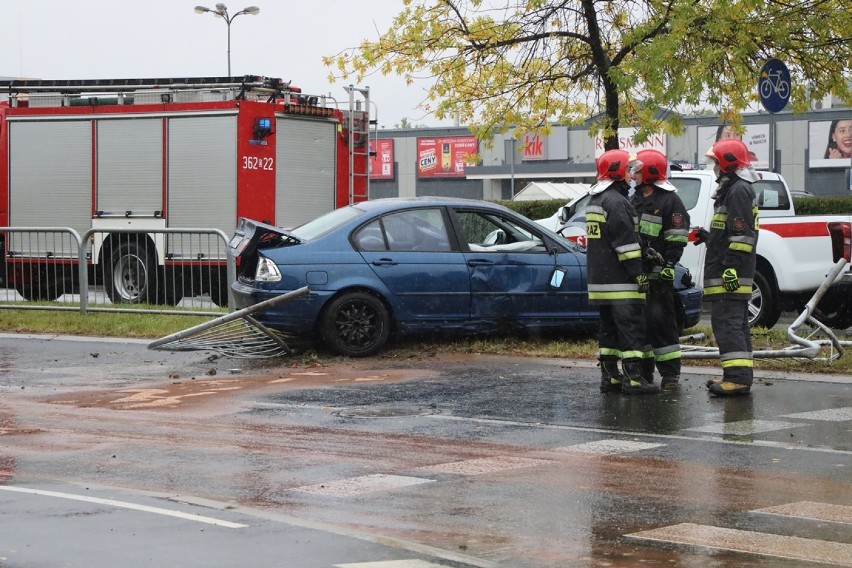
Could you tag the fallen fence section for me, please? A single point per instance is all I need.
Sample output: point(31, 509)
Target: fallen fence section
point(809, 345)
point(236, 334)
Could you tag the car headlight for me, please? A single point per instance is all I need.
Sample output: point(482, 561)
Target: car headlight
point(267, 271)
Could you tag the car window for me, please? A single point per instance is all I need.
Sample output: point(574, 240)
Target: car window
point(771, 195)
point(490, 232)
point(688, 189)
point(370, 237)
point(422, 230)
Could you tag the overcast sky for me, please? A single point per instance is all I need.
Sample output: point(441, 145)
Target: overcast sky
point(95, 39)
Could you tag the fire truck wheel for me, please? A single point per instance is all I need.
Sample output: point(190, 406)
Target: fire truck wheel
point(219, 287)
point(356, 324)
point(132, 274)
point(43, 287)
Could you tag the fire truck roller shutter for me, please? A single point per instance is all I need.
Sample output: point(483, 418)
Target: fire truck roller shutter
point(130, 166)
point(305, 169)
point(203, 193)
point(202, 175)
point(50, 176)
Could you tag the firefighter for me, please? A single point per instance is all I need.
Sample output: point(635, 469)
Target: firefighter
point(615, 278)
point(729, 264)
point(663, 233)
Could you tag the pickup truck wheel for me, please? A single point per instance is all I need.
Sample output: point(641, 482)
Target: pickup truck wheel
point(763, 310)
point(836, 313)
point(356, 324)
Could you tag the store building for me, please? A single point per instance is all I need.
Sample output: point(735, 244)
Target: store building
point(431, 161)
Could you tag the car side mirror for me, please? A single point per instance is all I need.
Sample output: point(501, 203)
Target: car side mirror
point(565, 213)
point(557, 277)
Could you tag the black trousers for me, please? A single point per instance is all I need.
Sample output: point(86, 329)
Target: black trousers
point(662, 333)
point(729, 319)
point(622, 330)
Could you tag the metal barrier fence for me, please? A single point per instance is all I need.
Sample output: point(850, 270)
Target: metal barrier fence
point(176, 271)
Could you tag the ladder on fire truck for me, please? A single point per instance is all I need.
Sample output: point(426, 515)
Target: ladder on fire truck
point(92, 92)
point(359, 127)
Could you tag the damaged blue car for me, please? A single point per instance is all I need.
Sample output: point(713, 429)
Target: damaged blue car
point(419, 265)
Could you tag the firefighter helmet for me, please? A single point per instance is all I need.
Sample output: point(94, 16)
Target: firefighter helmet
point(730, 154)
point(612, 165)
point(655, 168)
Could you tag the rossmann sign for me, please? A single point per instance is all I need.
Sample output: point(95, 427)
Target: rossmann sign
point(657, 141)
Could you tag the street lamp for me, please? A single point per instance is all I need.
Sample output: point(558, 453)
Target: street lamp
point(221, 11)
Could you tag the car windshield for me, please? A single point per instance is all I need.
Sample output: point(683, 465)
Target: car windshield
point(325, 223)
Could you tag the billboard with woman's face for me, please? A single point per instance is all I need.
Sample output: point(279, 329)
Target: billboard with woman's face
point(830, 143)
point(755, 136)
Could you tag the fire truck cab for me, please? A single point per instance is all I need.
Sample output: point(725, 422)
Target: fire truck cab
point(155, 154)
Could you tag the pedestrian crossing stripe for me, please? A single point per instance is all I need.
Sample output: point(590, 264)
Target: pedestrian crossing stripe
point(827, 415)
point(359, 485)
point(481, 466)
point(611, 447)
point(812, 511)
point(744, 427)
point(391, 564)
point(749, 542)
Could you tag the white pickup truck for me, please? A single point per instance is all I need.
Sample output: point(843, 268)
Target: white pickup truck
point(794, 252)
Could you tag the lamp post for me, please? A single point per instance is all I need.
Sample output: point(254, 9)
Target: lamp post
point(221, 11)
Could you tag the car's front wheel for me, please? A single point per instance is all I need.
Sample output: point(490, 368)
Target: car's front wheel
point(356, 324)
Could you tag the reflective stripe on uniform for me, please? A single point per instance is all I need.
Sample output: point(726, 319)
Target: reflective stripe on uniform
point(667, 353)
point(650, 224)
point(628, 251)
point(631, 354)
point(677, 236)
point(609, 352)
point(616, 296)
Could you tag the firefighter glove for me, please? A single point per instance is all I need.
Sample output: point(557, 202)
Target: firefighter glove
point(642, 282)
point(730, 279)
point(653, 256)
point(667, 274)
point(701, 236)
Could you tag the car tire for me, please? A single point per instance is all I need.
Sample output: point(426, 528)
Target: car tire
point(763, 310)
point(834, 312)
point(355, 324)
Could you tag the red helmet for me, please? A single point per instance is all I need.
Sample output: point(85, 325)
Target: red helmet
point(612, 165)
point(731, 155)
point(654, 165)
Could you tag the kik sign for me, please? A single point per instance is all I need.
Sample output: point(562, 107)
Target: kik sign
point(533, 147)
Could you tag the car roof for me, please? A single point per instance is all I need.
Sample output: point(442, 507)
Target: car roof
point(388, 203)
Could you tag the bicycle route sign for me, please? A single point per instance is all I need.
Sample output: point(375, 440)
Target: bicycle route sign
point(774, 85)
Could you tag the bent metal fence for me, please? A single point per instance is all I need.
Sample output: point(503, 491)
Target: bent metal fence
point(156, 270)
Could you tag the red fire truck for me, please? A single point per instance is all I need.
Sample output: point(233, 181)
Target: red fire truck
point(154, 154)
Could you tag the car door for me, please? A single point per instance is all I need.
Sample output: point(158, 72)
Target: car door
point(412, 252)
point(511, 265)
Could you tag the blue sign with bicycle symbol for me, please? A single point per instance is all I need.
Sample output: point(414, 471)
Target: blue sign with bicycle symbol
point(774, 85)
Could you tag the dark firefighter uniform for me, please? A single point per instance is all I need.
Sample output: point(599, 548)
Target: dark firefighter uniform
point(732, 244)
point(663, 227)
point(614, 260)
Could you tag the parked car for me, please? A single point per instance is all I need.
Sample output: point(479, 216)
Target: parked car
point(418, 265)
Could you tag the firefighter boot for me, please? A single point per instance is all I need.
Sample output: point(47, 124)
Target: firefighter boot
point(671, 382)
point(721, 387)
point(632, 381)
point(648, 369)
point(610, 376)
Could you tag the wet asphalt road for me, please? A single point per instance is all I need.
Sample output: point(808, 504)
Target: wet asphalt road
point(458, 461)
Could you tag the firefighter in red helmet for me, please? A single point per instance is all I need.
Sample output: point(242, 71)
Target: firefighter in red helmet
point(616, 282)
point(663, 228)
point(729, 265)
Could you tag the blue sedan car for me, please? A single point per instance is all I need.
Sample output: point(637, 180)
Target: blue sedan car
point(418, 265)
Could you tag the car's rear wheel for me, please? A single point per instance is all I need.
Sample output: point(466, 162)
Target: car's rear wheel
point(356, 324)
